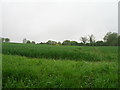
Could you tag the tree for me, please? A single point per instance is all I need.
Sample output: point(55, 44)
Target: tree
point(3, 39)
point(66, 42)
point(42, 43)
point(59, 43)
point(106, 36)
point(28, 41)
point(51, 42)
point(54, 43)
point(87, 44)
point(119, 40)
point(92, 39)
point(99, 43)
point(84, 39)
point(111, 39)
point(33, 42)
point(80, 44)
point(7, 40)
point(75, 43)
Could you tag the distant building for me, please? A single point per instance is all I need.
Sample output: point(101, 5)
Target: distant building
point(25, 40)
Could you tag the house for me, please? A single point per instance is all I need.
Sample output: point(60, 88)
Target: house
point(25, 40)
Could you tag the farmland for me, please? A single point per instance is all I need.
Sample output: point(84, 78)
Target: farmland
point(105, 53)
point(52, 66)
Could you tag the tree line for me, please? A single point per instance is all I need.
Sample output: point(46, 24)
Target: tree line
point(5, 39)
point(110, 39)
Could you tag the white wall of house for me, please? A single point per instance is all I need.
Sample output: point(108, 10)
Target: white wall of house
point(24, 40)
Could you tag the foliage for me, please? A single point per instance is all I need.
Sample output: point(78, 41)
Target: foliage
point(59, 66)
point(66, 42)
point(7, 39)
point(61, 52)
point(84, 39)
point(111, 39)
point(22, 72)
point(33, 42)
point(119, 40)
point(75, 43)
point(99, 43)
point(3, 39)
point(92, 39)
point(51, 42)
point(28, 41)
point(59, 43)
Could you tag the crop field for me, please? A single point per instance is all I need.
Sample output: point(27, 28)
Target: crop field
point(86, 53)
point(57, 66)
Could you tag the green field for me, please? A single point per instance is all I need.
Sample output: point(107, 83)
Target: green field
point(52, 66)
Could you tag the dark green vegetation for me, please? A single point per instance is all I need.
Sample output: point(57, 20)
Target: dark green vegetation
point(110, 39)
point(52, 66)
point(62, 52)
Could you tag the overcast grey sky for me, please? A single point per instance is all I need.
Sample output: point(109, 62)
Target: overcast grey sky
point(59, 20)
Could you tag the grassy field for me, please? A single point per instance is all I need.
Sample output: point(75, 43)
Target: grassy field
point(49, 66)
point(105, 53)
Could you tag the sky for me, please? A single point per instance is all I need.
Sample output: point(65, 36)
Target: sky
point(58, 20)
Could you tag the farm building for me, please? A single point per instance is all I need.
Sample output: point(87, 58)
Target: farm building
point(25, 40)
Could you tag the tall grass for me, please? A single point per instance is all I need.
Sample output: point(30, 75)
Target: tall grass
point(23, 72)
point(51, 66)
point(62, 52)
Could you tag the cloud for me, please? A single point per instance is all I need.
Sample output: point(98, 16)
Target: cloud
point(58, 21)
